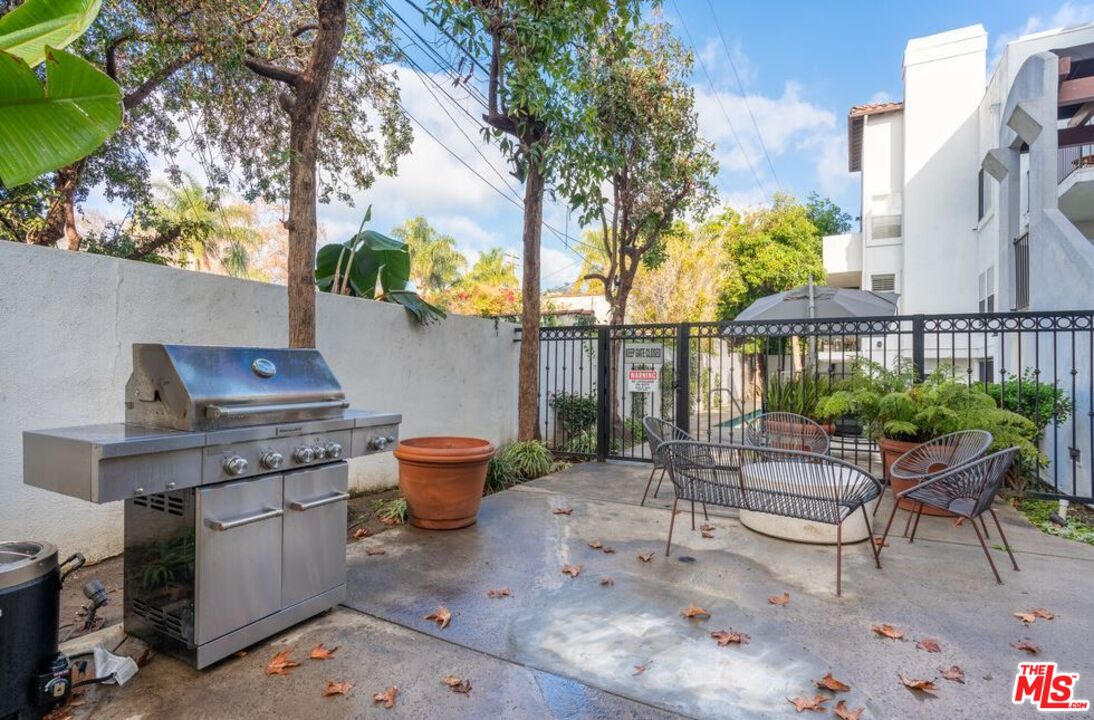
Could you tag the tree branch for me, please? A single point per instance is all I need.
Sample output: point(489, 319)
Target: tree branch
point(273, 72)
point(141, 93)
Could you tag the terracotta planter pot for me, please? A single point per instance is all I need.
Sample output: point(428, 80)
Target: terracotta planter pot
point(442, 479)
point(890, 451)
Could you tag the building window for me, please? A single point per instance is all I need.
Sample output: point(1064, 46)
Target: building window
point(883, 283)
point(986, 370)
point(985, 196)
point(986, 290)
point(886, 227)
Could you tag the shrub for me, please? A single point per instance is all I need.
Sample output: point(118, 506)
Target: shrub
point(1040, 402)
point(530, 459)
point(500, 474)
point(796, 395)
point(576, 413)
point(392, 511)
point(583, 443)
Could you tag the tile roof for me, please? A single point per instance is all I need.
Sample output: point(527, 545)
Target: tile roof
point(875, 109)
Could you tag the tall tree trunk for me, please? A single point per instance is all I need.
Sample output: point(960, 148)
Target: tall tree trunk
point(60, 220)
point(528, 367)
point(303, 132)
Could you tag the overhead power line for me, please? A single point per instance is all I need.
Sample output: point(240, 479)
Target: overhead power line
point(744, 95)
point(718, 100)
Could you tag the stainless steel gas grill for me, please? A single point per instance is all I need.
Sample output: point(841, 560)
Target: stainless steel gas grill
point(232, 467)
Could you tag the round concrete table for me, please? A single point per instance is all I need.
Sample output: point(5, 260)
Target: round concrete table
point(806, 531)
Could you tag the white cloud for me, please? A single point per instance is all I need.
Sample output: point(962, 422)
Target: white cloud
point(1067, 15)
point(881, 96)
point(557, 267)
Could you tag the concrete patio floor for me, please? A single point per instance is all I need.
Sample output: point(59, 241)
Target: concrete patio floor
point(569, 647)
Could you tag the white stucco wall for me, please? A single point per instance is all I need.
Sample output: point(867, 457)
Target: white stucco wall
point(68, 320)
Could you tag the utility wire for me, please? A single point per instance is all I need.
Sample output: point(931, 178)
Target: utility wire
point(718, 99)
point(433, 21)
point(744, 95)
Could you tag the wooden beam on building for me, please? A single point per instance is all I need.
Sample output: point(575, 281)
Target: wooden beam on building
point(1065, 67)
point(1074, 92)
point(1075, 136)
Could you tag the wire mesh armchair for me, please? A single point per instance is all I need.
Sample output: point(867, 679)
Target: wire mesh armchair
point(939, 455)
point(659, 431)
point(788, 483)
point(968, 492)
point(787, 431)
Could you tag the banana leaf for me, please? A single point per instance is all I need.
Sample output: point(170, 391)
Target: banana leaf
point(26, 31)
point(44, 129)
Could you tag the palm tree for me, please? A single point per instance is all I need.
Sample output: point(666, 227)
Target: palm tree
point(213, 236)
point(493, 268)
point(437, 263)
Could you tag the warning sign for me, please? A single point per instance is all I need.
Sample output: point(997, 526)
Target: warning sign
point(643, 354)
point(642, 381)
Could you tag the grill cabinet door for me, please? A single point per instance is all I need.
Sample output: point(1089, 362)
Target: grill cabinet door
point(314, 549)
point(239, 554)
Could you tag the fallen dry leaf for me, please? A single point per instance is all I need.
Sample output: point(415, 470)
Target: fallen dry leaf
point(887, 630)
point(390, 521)
point(457, 685)
point(360, 533)
point(1027, 646)
point(706, 527)
point(498, 593)
point(607, 581)
point(926, 686)
point(281, 663)
point(321, 653)
point(639, 669)
point(337, 688)
point(375, 551)
point(830, 683)
point(596, 544)
point(645, 557)
point(694, 611)
point(1026, 617)
point(145, 657)
point(442, 616)
point(706, 533)
point(779, 599)
point(728, 637)
point(929, 644)
point(958, 522)
point(1043, 614)
point(880, 541)
point(387, 697)
point(572, 570)
point(562, 510)
point(240, 653)
point(608, 550)
point(845, 713)
point(816, 703)
point(954, 673)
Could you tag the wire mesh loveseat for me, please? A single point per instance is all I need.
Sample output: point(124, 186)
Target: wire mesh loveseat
point(787, 483)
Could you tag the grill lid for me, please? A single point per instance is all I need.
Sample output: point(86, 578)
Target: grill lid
point(196, 387)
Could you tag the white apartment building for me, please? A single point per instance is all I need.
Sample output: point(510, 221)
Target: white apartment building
point(977, 194)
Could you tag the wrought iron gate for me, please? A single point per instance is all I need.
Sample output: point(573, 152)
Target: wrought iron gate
point(711, 379)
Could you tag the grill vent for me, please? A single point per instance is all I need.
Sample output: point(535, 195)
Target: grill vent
point(164, 622)
point(170, 504)
point(883, 283)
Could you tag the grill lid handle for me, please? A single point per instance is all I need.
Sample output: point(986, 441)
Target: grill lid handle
point(219, 411)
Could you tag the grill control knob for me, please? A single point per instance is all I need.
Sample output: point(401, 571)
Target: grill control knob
point(334, 450)
point(235, 465)
point(303, 455)
point(377, 443)
point(319, 452)
point(271, 460)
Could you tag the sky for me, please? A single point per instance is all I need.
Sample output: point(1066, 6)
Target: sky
point(773, 88)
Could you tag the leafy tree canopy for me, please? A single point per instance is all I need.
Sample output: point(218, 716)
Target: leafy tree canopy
point(768, 250)
point(828, 217)
point(436, 264)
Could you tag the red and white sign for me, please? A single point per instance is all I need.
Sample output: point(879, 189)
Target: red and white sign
point(1046, 689)
point(642, 381)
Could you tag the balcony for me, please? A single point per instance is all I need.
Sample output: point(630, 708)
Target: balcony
point(1075, 175)
point(843, 260)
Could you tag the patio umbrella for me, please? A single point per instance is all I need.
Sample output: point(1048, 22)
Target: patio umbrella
point(820, 301)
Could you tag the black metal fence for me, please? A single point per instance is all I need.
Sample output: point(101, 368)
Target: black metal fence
point(711, 379)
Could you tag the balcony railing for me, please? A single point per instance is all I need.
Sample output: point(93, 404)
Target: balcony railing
point(1072, 158)
point(1021, 272)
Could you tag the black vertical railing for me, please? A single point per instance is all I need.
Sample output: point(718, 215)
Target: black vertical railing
point(1021, 272)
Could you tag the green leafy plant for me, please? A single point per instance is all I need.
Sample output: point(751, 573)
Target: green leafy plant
point(42, 129)
point(575, 413)
point(392, 511)
point(373, 266)
point(501, 474)
point(796, 395)
point(1031, 398)
point(530, 458)
point(582, 443)
point(1079, 526)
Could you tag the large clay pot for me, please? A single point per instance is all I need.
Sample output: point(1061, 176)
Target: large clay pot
point(442, 479)
point(890, 451)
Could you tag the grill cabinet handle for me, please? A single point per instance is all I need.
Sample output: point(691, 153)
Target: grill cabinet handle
point(320, 502)
point(222, 525)
point(217, 411)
